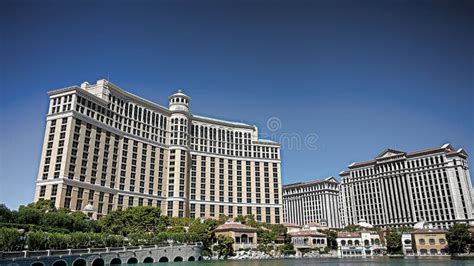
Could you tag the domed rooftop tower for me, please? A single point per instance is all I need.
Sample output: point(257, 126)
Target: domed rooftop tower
point(179, 102)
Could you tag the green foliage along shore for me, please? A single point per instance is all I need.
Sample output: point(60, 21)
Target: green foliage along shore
point(40, 226)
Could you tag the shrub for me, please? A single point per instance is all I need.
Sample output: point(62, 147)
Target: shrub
point(114, 240)
point(58, 241)
point(80, 240)
point(37, 240)
point(10, 239)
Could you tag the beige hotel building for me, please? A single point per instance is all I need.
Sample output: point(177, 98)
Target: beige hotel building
point(314, 201)
point(107, 147)
point(403, 188)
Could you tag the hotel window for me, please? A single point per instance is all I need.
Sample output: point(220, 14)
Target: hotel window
point(54, 190)
point(68, 191)
point(67, 203)
point(42, 191)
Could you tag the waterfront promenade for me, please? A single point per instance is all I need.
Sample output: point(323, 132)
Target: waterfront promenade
point(103, 256)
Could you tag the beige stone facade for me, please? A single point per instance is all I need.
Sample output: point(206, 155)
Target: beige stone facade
point(310, 202)
point(402, 188)
point(106, 146)
point(244, 236)
point(308, 239)
point(430, 242)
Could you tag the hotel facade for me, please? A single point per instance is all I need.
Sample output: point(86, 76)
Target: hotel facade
point(312, 202)
point(402, 188)
point(107, 147)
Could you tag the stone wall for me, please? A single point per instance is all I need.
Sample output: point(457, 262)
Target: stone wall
point(106, 256)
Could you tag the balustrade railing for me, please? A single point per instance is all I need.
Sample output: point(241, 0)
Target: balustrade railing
point(83, 251)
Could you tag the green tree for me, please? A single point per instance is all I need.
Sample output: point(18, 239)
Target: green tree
point(222, 219)
point(278, 229)
point(405, 229)
point(80, 240)
point(203, 232)
point(10, 239)
point(458, 238)
point(352, 228)
point(6, 215)
point(58, 241)
point(240, 219)
point(266, 236)
point(176, 229)
point(82, 223)
point(133, 220)
point(29, 215)
point(331, 238)
point(57, 219)
point(37, 240)
point(223, 247)
point(43, 205)
point(393, 240)
point(287, 249)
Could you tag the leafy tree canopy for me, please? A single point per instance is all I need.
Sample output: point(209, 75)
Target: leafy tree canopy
point(458, 238)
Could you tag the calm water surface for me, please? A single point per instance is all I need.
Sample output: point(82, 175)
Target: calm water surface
point(328, 261)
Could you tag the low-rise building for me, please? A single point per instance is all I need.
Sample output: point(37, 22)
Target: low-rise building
point(407, 244)
point(316, 226)
point(310, 239)
point(362, 243)
point(430, 242)
point(244, 236)
point(292, 228)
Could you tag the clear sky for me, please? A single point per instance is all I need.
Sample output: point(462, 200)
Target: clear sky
point(359, 78)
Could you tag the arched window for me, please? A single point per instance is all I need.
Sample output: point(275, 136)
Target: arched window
point(432, 241)
point(421, 241)
point(343, 242)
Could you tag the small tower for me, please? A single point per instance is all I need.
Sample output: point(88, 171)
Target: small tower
point(179, 102)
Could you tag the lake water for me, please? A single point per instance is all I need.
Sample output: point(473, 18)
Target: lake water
point(438, 261)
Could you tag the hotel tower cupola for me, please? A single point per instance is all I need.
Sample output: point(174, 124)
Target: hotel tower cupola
point(179, 102)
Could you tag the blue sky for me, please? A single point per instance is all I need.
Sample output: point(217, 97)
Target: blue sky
point(362, 77)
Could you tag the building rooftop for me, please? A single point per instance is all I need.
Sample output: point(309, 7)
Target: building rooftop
point(313, 182)
point(430, 231)
point(234, 226)
point(221, 121)
point(291, 225)
point(392, 153)
point(348, 234)
point(308, 233)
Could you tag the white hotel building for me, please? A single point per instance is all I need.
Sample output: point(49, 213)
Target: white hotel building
point(312, 202)
point(107, 147)
point(402, 188)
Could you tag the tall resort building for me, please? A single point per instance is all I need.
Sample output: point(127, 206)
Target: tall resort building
point(314, 201)
point(402, 188)
point(108, 148)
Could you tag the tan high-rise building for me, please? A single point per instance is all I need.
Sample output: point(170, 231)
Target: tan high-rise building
point(400, 188)
point(314, 201)
point(107, 147)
